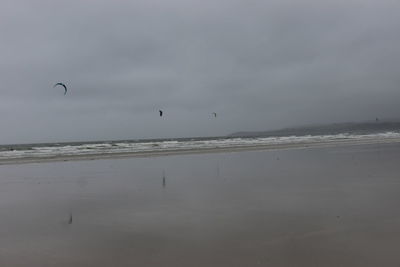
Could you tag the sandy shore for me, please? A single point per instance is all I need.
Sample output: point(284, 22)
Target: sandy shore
point(320, 206)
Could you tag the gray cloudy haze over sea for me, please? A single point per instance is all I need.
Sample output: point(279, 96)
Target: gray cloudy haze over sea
point(260, 65)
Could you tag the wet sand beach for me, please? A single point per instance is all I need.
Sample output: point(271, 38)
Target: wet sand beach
point(320, 206)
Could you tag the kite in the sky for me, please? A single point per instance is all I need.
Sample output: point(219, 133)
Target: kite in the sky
point(161, 112)
point(63, 85)
point(215, 114)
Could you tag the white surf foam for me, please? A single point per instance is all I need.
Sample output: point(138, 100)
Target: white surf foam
point(160, 146)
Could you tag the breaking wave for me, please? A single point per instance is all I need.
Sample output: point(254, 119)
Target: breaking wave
point(120, 147)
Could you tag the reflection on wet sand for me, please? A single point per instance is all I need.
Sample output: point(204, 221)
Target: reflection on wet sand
point(163, 180)
point(314, 208)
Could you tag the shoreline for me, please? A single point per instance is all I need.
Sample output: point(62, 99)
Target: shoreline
point(233, 149)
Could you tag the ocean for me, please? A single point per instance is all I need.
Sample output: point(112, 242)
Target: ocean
point(108, 148)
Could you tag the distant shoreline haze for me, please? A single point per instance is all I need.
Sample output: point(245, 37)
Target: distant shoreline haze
point(326, 129)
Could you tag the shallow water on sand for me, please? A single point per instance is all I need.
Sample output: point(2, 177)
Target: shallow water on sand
point(306, 207)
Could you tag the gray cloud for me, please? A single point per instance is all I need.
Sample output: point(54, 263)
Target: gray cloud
point(259, 64)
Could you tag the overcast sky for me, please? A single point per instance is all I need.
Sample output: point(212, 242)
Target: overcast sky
point(259, 64)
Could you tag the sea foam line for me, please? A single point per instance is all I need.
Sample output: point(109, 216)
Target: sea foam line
point(175, 145)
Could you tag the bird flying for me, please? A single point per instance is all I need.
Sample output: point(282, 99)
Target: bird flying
point(63, 85)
